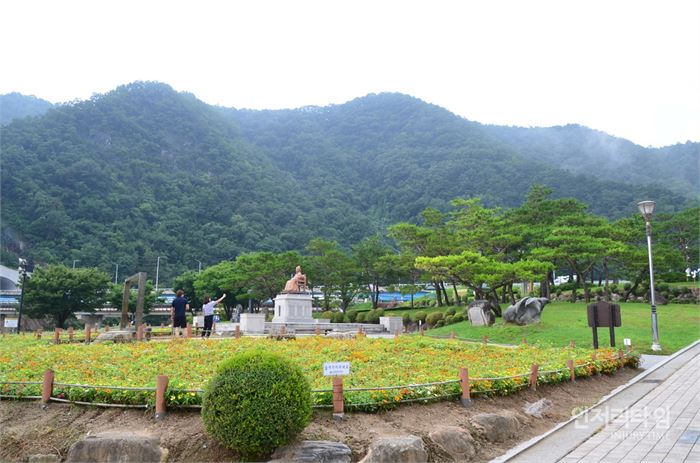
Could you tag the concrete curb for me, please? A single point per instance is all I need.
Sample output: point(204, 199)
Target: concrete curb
point(565, 445)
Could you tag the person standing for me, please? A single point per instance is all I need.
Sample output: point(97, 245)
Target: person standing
point(178, 311)
point(208, 310)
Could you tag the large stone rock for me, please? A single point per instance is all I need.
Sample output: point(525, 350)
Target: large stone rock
point(538, 408)
point(314, 451)
point(122, 447)
point(481, 313)
point(526, 311)
point(115, 336)
point(44, 458)
point(497, 427)
point(407, 449)
point(456, 442)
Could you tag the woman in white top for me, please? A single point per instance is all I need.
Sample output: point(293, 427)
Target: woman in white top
point(208, 310)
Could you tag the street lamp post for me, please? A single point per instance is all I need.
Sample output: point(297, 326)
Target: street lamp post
point(23, 276)
point(647, 209)
point(158, 270)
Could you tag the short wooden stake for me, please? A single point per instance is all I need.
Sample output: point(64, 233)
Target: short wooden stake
point(485, 339)
point(524, 341)
point(283, 330)
point(88, 332)
point(38, 334)
point(421, 330)
point(570, 366)
point(452, 335)
point(238, 332)
point(594, 356)
point(161, 387)
point(317, 331)
point(57, 335)
point(70, 334)
point(188, 330)
point(106, 328)
point(572, 343)
point(397, 333)
point(621, 356)
point(533, 376)
point(47, 388)
point(338, 400)
point(465, 398)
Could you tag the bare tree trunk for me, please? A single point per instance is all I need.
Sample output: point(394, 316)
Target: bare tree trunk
point(438, 293)
point(605, 275)
point(458, 301)
point(444, 293)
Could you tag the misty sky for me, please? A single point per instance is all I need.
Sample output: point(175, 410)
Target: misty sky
point(628, 68)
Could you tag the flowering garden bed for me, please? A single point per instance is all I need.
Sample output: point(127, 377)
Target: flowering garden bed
point(384, 372)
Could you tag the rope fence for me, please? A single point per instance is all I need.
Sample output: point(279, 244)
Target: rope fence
point(161, 397)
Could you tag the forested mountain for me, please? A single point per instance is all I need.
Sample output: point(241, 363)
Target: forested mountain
point(15, 105)
point(144, 171)
point(579, 149)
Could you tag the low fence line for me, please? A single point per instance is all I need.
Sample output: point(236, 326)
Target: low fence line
point(338, 403)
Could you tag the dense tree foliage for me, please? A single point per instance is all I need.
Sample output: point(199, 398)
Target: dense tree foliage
point(143, 172)
point(58, 292)
point(16, 106)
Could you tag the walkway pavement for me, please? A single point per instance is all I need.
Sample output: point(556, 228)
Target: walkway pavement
point(655, 418)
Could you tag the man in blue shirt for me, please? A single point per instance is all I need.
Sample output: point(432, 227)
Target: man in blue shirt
point(178, 309)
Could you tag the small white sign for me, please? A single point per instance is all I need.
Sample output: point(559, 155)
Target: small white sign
point(628, 342)
point(10, 323)
point(336, 368)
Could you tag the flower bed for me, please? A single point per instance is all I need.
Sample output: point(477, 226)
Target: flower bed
point(384, 370)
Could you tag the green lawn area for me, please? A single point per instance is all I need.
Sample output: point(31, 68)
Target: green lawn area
point(679, 325)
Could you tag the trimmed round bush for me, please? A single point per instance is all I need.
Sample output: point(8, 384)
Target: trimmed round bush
point(450, 311)
point(419, 316)
point(361, 317)
point(351, 316)
point(457, 318)
point(338, 317)
point(433, 318)
point(257, 401)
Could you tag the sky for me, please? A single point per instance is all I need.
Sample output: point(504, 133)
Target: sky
point(628, 68)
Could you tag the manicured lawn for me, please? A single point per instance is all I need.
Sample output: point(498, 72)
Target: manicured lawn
point(679, 325)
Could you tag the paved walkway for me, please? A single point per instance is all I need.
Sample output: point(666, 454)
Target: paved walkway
point(654, 419)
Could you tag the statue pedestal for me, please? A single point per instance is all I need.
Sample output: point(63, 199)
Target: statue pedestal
point(293, 308)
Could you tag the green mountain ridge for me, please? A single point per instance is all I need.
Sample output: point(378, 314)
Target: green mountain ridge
point(144, 171)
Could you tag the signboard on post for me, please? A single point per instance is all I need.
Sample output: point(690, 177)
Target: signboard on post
point(601, 314)
point(336, 368)
point(10, 323)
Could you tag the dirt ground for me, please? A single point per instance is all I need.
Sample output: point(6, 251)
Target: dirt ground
point(26, 429)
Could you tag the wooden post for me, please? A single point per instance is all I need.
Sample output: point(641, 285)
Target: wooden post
point(88, 332)
point(139, 333)
point(465, 399)
point(572, 343)
point(317, 331)
point(47, 388)
point(621, 357)
point(485, 339)
point(188, 330)
point(594, 356)
point(70, 334)
point(338, 400)
point(570, 366)
point(38, 333)
point(421, 330)
point(57, 335)
point(238, 331)
point(397, 333)
point(533, 376)
point(452, 335)
point(106, 328)
point(283, 330)
point(524, 341)
point(161, 387)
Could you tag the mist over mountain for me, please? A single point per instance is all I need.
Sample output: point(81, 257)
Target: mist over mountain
point(16, 106)
point(144, 171)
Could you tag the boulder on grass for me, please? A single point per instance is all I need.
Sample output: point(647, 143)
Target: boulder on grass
point(456, 442)
point(497, 427)
point(407, 449)
point(526, 311)
point(117, 447)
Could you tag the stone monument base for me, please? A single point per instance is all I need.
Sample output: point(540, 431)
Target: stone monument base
point(293, 308)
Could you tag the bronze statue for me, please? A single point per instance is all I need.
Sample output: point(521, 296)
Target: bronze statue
point(297, 284)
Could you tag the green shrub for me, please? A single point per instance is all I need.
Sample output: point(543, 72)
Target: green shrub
point(361, 317)
point(457, 319)
point(439, 324)
point(419, 316)
point(338, 317)
point(450, 311)
point(256, 402)
point(449, 319)
point(373, 315)
point(406, 319)
point(351, 315)
point(327, 315)
point(433, 318)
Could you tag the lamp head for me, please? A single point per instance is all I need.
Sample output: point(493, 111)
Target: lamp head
point(647, 209)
